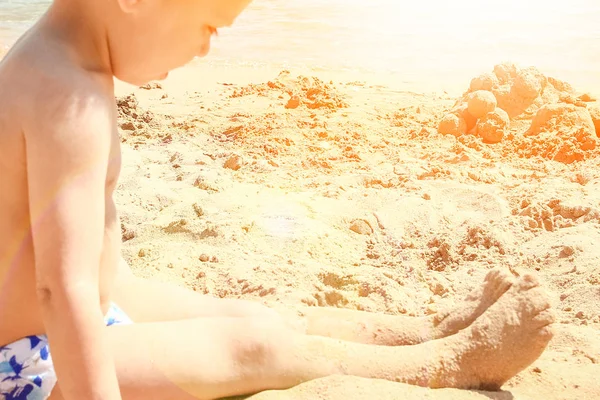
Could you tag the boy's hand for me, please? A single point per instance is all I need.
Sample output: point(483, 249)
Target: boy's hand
point(68, 143)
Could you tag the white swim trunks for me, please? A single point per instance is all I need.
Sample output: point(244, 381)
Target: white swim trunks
point(26, 370)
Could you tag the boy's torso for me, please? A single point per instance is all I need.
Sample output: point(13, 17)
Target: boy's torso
point(25, 76)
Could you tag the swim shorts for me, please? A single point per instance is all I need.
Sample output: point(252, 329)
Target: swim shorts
point(26, 370)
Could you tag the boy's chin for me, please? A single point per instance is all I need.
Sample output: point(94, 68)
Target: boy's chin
point(160, 77)
point(142, 81)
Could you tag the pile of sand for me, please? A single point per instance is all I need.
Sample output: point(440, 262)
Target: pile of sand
point(136, 122)
point(534, 115)
point(561, 132)
point(310, 92)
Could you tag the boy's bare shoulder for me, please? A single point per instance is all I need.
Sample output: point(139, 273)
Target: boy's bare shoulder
point(46, 91)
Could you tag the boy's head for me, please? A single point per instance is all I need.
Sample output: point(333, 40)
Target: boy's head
point(149, 38)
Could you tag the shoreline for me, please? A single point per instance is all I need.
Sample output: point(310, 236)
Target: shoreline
point(234, 72)
point(421, 81)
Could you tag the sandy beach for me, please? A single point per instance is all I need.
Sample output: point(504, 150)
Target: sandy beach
point(379, 158)
point(306, 189)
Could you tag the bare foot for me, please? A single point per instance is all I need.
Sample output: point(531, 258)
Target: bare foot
point(505, 340)
point(454, 318)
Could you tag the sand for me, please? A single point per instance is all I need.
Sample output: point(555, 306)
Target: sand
point(290, 188)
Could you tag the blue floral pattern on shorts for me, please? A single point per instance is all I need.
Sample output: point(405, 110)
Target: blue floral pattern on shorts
point(26, 370)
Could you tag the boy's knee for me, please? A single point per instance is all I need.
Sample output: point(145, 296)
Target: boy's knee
point(261, 342)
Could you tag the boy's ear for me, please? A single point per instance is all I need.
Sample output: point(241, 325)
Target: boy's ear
point(129, 6)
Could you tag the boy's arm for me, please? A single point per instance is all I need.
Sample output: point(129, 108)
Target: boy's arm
point(68, 146)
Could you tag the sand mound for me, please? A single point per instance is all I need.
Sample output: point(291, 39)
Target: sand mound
point(560, 132)
point(135, 122)
point(531, 114)
point(493, 125)
point(561, 116)
point(480, 103)
point(453, 124)
point(310, 92)
point(131, 116)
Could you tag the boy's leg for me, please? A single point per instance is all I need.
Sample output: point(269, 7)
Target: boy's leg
point(148, 301)
point(210, 358)
point(392, 330)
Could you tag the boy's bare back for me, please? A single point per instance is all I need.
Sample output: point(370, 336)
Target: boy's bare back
point(51, 110)
point(60, 154)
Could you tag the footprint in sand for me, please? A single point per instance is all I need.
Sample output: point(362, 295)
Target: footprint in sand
point(468, 202)
point(561, 246)
point(284, 217)
point(447, 204)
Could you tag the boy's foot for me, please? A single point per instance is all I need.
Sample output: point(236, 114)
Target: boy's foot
point(506, 339)
point(454, 318)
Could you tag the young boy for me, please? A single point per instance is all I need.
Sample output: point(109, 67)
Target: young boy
point(60, 266)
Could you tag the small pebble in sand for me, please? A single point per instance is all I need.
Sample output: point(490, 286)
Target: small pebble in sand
point(234, 163)
point(142, 253)
point(492, 127)
point(482, 102)
point(485, 81)
point(567, 251)
point(293, 102)
point(452, 124)
point(198, 210)
point(204, 257)
point(214, 259)
point(151, 86)
point(128, 126)
point(170, 265)
point(126, 233)
point(361, 227)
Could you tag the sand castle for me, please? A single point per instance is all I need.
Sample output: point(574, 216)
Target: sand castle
point(540, 115)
